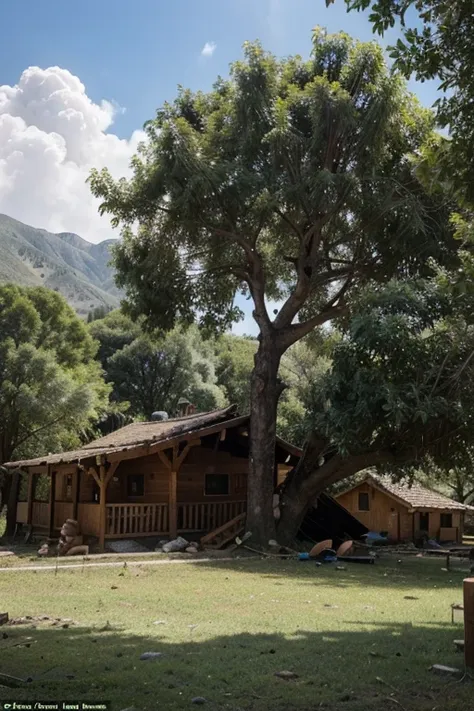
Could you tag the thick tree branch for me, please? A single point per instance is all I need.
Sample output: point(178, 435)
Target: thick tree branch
point(233, 237)
point(290, 223)
point(33, 433)
point(295, 332)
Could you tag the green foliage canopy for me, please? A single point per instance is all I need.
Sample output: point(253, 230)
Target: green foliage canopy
point(436, 43)
point(401, 380)
point(151, 371)
point(290, 180)
point(50, 383)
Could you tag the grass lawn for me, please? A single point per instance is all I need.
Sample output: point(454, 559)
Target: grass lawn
point(354, 640)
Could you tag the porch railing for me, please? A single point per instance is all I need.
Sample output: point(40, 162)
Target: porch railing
point(207, 516)
point(124, 520)
point(40, 514)
point(136, 520)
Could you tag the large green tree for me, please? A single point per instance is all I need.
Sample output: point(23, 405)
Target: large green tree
point(456, 482)
point(51, 386)
point(290, 181)
point(154, 373)
point(114, 332)
point(299, 366)
point(399, 394)
point(436, 43)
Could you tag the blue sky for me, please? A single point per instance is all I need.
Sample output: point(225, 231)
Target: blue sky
point(136, 53)
point(103, 67)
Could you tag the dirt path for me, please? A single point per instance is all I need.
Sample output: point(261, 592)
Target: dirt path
point(111, 564)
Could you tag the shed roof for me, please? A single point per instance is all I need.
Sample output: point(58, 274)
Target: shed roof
point(412, 494)
point(150, 435)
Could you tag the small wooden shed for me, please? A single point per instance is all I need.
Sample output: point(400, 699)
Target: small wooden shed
point(404, 511)
point(182, 475)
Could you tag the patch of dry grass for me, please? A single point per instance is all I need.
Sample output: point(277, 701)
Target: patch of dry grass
point(352, 637)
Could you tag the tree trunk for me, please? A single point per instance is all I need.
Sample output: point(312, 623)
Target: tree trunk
point(9, 498)
point(265, 391)
point(303, 486)
point(313, 474)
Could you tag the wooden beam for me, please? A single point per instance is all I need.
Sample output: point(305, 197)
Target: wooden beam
point(179, 458)
point(110, 472)
point(102, 504)
point(172, 504)
point(52, 496)
point(105, 475)
point(133, 453)
point(175, 465)
point(92, 472)
point(165, 459)
point(31, 494)
point(75, 492)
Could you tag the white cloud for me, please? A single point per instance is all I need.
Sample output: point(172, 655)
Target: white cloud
point(208, 49)
point(51, 135)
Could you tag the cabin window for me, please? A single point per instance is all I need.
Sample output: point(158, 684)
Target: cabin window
point(446, 520)
point(136, 485)
point(42, 486)
point(216, 485)
point(23, 490)
point(424, 522)
point(364, 502)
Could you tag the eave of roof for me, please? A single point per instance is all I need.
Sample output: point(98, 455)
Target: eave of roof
point(449, 504)
point(145, 447)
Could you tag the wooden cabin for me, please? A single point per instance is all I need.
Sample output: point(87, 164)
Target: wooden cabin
point(405, 512)
point(161, 478)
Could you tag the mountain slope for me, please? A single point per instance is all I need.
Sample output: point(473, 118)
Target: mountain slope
point(64, 262)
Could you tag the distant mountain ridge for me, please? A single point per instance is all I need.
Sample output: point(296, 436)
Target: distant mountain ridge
point(64, 262)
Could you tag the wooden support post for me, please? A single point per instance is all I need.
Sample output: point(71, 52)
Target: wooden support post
point(75, 492)
point(173, 465)
point(31, 495)
point(173, 505)
point(102, 504)
point(105, 475)
point(468, 587)
point(52, 492)
point(52, 496)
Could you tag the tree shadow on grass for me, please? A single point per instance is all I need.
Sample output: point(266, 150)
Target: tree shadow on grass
point(360, 670)
point(387, 573)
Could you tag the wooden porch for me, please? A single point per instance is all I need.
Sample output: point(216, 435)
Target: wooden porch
point(125, 520)
point(182, 476)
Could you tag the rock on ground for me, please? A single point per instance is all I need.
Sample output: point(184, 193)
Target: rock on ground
point(150, 655)
point(127, 546)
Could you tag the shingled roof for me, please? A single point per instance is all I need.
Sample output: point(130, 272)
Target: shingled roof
point(152, 435)
point(137, 435)
point(140, 432)
point(414, 495)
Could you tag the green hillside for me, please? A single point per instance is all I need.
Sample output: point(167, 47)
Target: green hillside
point(64, 262)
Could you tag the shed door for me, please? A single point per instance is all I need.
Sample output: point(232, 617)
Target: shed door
point(393, 531)
point(424, 522)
